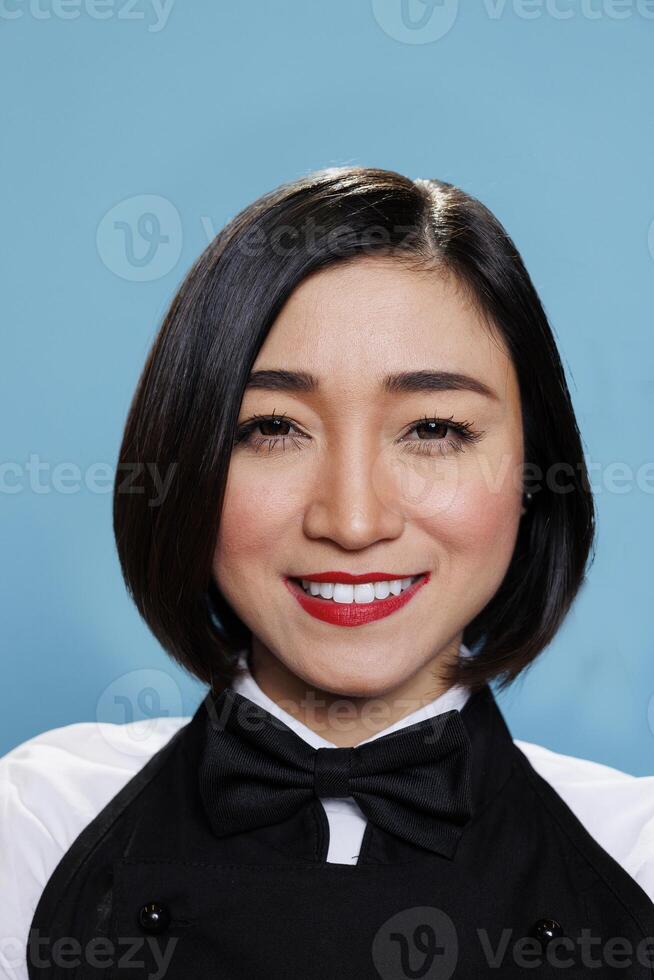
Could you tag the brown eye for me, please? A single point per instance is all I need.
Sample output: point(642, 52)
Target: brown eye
point(276, 427)
point(267, 432)
point(437, 436)
point(433, 428)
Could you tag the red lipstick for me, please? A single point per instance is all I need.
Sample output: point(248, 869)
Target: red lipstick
point(353, 613)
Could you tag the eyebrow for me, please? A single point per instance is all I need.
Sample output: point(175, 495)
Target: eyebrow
point(403, 382)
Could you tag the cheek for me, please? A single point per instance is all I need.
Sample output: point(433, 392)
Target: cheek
point(255, 513)
point(478, 527)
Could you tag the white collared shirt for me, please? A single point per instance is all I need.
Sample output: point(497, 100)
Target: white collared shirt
point(53, 785)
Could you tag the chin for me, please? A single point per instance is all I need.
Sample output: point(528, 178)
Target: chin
point(362, 680)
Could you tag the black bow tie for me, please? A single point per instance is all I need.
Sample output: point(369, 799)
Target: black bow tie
point(414, 783)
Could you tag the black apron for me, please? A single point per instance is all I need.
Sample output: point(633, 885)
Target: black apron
point(147, 890)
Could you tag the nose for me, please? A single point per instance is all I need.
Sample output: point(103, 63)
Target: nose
point(345, 504)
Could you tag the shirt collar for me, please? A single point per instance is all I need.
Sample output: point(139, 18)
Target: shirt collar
point(244, 683)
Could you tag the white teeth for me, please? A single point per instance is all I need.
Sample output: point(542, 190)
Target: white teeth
point(343, 593)
point(364, 593)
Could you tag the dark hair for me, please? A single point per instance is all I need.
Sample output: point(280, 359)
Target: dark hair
point(184, 413)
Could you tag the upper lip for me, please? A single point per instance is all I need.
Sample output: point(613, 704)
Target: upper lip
point(346, 579)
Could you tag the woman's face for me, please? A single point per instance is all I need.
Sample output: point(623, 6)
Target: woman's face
point(385, 464)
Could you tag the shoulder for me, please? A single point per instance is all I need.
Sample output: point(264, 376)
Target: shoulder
point(51, 787)
point(616, 808)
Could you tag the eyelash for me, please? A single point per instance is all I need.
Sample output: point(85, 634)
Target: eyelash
point(465, 435)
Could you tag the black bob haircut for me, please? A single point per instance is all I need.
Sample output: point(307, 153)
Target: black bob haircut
point(184, 413)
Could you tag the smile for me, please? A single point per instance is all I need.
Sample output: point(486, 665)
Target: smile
point(359, 600)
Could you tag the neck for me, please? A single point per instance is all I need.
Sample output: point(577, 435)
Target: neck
point(339, 718)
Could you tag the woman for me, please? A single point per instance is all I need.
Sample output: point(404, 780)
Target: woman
point(378, 505)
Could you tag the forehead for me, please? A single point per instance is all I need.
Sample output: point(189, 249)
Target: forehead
point(352, 324)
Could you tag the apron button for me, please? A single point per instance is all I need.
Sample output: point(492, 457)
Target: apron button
point(546, 929)
point(154, 917)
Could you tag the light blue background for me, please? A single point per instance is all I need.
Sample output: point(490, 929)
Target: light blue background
point(547, 118)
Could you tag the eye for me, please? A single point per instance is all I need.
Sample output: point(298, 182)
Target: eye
point(275, 429)
point(440, 436)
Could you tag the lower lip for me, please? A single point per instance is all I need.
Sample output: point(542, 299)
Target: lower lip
point(353, 613)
